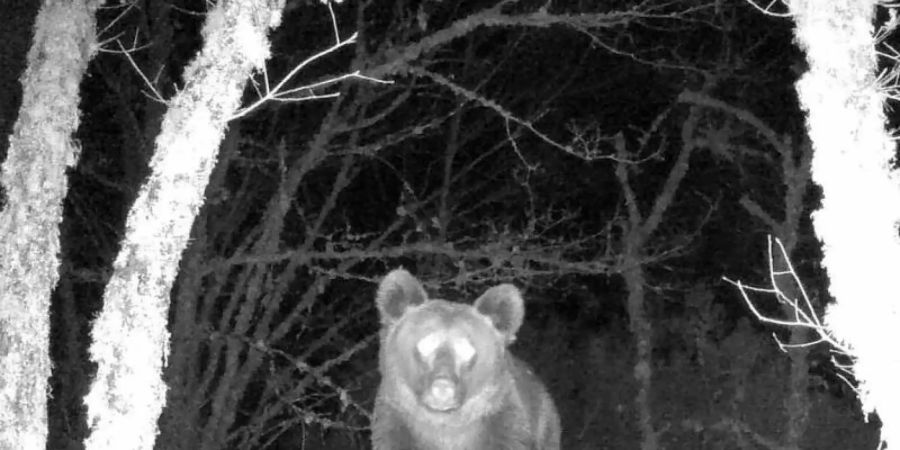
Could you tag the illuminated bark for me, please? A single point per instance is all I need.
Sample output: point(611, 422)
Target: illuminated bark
point(130, 341)
point(34, 177)
point(861, 195)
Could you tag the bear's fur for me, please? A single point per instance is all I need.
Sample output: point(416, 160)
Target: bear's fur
point(448, 379)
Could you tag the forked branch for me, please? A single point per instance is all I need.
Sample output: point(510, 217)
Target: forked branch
point(804, 314)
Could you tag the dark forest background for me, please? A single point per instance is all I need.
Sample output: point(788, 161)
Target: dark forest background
point(613, 159)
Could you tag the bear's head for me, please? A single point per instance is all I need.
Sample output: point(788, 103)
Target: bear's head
point(444, 355)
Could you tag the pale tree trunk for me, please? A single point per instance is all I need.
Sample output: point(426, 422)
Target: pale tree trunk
point(130, 341)
point(861, 196)
point(34, 175)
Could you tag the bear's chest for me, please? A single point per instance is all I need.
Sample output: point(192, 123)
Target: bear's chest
point(431, 437)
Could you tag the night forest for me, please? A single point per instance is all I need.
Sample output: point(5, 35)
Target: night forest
point(622, 162)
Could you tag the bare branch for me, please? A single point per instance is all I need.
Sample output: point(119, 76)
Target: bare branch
point(755, 210)
point(279, 93)
point(701, 99)
point(769, 9)
point(399, 59)
point(676, 174)
point(804, 314)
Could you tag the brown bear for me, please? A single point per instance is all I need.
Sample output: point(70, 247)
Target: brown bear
point(448, 381)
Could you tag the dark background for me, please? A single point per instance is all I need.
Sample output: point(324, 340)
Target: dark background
point(489, 159)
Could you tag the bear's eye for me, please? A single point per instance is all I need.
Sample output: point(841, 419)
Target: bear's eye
point(463, 350)
point(428, 345)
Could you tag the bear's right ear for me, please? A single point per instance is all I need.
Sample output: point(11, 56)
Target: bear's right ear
point(398, 291)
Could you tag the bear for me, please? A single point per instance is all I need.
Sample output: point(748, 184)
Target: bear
point(448, 380)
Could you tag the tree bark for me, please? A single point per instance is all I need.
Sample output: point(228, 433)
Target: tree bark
point(637, 231)
point(130, 341)
point(34, 176)
point(861, 196)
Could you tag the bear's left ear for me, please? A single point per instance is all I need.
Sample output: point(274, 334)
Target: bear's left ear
point(398, 291)
point(503, 305)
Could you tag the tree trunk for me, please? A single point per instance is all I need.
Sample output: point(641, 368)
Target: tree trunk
point(34, 177)
point(797, 401)
point(638, 229)
point(861, 197)
point(642, 334)
point(130, 338)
